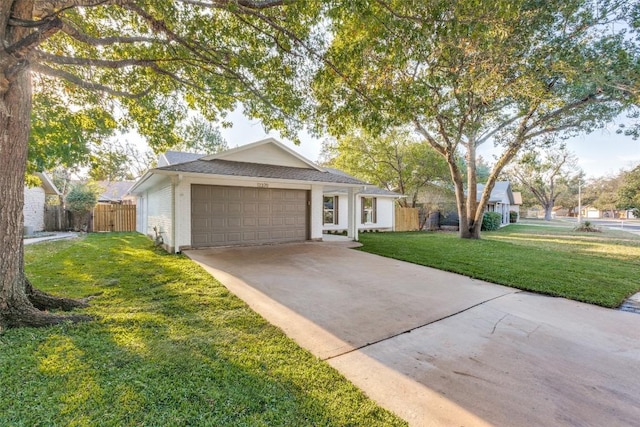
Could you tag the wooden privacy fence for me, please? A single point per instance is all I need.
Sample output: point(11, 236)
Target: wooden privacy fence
point(407, 219)
point(56, 218)
point(114, 218)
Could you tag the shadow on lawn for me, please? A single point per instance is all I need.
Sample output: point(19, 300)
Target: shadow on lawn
point(170, 346)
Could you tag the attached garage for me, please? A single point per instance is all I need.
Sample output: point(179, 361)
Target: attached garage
point(226, 215)
point(259, 193)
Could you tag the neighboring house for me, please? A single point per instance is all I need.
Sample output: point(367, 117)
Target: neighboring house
point(34, 202)
point(501, 199)
point(258, 193)
point(594, 213)
point(517, 202)
point(116, 192)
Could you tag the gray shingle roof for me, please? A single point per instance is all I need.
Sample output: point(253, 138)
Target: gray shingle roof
point(175, 157)
point(371, 190)
point(501, 190)
point(114, 190)
point(256, 170)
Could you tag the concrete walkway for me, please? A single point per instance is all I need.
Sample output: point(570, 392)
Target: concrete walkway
point(52, 236)
point(441, 349)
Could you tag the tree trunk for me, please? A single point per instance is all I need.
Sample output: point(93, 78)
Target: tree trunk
point(16, 309)
point(548, 209)
point(463, 218)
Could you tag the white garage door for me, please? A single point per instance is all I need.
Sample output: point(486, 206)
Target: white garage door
point(222, 216)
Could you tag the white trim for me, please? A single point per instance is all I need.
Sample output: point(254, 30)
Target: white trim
point(48, 185)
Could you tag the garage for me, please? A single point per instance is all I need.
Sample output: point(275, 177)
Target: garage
point(226, 215)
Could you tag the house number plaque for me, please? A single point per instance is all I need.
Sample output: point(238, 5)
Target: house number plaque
point(263, 185)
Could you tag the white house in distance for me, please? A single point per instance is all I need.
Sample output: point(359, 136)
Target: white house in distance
point(501, 200)
point(34, 201)
point(258, 193)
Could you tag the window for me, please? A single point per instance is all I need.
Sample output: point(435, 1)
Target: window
point(368, 210)
point(330, 204)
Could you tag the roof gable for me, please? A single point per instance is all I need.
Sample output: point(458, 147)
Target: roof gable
point(267, 152)
point(501, 192)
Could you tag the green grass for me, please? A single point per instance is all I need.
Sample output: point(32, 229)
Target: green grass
point(597, 268)
point(170, 347)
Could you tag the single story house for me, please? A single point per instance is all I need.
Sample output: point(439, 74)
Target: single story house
point(517, 202)
point(501, 199)
point(258, 193)
point(34, 203)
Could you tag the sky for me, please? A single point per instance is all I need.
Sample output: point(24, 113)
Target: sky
point(600, 154)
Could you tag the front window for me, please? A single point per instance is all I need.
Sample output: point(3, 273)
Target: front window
point(368, 210)
point(330, 204)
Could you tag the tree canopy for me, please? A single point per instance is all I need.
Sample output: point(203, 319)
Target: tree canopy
point(515, 73)
point(629, 192)
point(395, 161)
point(81, 70)
point(545, 174)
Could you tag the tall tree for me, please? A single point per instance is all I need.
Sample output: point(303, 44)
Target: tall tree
point(395, 161)
point(602, 193)
point(570, 197)
point(141, 64)
point(629, 192)
point(545, 174)
point(514, 73)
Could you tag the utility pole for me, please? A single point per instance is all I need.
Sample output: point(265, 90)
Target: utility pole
point(579, 202)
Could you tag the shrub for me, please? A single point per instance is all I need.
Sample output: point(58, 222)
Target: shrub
point(513, 217)
point(587, 227)
point(80, 201)
point(491, 221)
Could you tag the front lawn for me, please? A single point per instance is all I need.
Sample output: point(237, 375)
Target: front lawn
point(598, 268)
point(170, 346)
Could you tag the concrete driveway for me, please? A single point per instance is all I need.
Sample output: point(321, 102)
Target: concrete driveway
point(440, 349)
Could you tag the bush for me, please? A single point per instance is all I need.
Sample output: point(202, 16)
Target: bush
point(491, 221)
point(80, 201)
point(513, 217)
point(587, 227)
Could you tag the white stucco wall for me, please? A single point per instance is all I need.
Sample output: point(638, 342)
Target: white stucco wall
point(267, 154)
point(316, 214)
point(385, 211)
point(34, 200)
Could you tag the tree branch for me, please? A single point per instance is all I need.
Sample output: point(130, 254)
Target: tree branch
point(94, 62)
point(46, 30)
point(430, 139)
point(250, 4)
point(71, 78)
point(76, 34)
point(551, 129)
point(560, 111)
point(482, 139)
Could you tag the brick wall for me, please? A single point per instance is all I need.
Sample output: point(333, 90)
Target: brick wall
point(34, 199)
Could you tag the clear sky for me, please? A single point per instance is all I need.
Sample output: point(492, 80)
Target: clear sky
point(599, 154)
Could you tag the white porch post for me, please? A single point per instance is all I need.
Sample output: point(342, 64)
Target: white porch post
point(316, 213)
point(352, 226)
